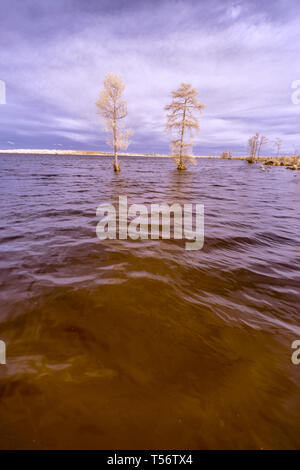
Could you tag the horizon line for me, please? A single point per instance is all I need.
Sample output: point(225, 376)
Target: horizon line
point(102, 153)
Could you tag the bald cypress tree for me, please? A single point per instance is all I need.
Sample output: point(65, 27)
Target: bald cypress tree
point(113, 109)
point(182, 120)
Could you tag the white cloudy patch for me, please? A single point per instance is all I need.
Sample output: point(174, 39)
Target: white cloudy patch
point(74, 136)
point(234, 11)
point(69, 123)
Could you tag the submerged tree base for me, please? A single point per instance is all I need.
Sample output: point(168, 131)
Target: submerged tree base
point(116, 167)
point(291, 163)
point(181, 166)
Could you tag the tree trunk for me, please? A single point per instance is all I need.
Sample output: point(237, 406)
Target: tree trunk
point(116, 163)
point(182, 134)
point(258, 150)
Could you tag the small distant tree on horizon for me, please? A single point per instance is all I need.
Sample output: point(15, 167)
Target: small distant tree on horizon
point(262, 141)
point(181, 119)
point(255, 143)
point(278, 145)
point(113, 109)
point(227, 155)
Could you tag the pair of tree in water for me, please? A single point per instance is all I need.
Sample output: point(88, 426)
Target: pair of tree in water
point(182, 118)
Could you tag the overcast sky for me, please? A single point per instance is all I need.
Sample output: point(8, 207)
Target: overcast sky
point(242, 57)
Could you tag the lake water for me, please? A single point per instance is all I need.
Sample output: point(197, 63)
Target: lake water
point(142, 344)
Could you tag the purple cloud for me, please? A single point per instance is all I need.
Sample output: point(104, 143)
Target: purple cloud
point(241, 56)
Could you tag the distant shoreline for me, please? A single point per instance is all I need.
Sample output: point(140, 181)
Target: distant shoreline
point(103, 154)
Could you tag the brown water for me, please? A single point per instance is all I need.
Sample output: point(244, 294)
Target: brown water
point(142, 344)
